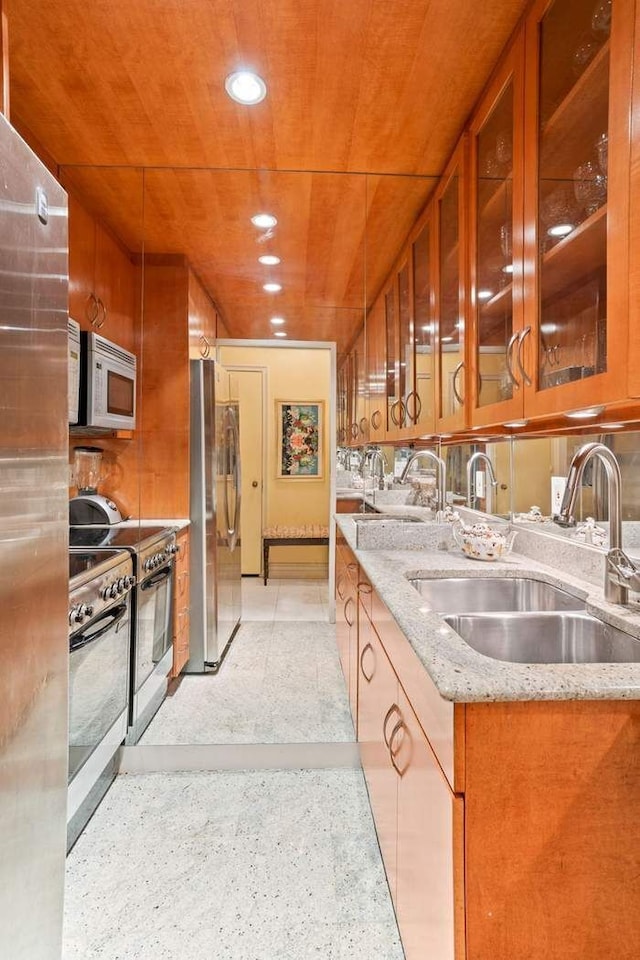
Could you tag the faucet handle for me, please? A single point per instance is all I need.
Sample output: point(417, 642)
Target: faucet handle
point(623, 570)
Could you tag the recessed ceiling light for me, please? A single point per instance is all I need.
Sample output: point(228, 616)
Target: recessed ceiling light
point(446, 339)
point(264, 220)
point(585, 414)
point(269, 260)
point(515, 424)
point(485, 294)
point(560, 230)
point(277, 321)
point(246, 87)
point(272, 287)
point(279, 333)
point(612, 426)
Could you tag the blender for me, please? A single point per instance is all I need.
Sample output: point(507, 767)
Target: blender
point(89, 506)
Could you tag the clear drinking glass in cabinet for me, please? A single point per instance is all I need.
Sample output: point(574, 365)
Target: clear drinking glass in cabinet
point(421, 411)
point(494, 254)
point(572, 190)
point(451, 323)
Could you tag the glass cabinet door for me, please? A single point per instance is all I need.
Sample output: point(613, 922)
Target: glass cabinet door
point(496, 246)
point(451, 299)
point(579, 50)
point(421, 408)
point(405, 337)
point(395, 404)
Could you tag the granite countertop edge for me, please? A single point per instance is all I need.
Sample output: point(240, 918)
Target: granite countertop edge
point(461, 674)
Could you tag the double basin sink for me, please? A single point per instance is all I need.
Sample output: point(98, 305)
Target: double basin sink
point(522, 620)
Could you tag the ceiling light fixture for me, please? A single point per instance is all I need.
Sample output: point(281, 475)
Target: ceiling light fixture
point(245, 87)
point(272, 287)
point(279, 333)
point(446, 339)
point(264, 220)
point(277, 321)
point(269, 260)
point(585, 414)
point(485, 294)
point(515, 424)
point(612, 426)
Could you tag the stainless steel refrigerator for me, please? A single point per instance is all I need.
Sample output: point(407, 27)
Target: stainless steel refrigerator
point(215, 574)
point(34, 477)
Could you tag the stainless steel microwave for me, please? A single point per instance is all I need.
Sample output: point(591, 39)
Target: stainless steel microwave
point(107, 384)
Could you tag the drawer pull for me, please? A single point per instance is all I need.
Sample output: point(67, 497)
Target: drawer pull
point(348, 601)
point(364, 587)
point(400, 727)
point(366, 647)
point(340, 587)
point(394, 708)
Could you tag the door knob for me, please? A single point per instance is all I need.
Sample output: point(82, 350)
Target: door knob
point(255, 483)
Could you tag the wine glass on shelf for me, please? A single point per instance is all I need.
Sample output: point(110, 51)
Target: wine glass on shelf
point(590, 187)
point(602, 151)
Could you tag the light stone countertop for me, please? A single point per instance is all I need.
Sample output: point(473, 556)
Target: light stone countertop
point(457, 670)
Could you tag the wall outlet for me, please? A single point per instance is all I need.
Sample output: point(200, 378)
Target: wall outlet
point(558, 485)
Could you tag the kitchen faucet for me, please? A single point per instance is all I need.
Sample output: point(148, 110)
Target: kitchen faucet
point(441, 468)
point(375, 457)
point(620, 573)
point(491, 477)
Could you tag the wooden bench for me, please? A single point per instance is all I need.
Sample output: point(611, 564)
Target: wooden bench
point(273, 538)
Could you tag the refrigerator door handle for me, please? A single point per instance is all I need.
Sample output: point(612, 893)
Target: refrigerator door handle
point(233, 527)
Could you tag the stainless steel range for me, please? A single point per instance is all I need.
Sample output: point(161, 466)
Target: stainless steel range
point(100, 585)
point(152, 550)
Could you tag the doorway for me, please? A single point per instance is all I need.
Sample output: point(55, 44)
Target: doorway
point(250, 386)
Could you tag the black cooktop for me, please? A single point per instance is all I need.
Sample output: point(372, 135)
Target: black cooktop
point(114, 536)
point(81, 561)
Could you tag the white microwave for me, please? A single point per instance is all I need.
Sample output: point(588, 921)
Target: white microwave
point(107, 384)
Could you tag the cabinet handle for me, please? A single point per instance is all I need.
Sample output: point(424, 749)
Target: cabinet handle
point(376, 419)
point(393, 414)
point(456, 374)
point(364, 424)
point(352, 567)
point(205, 347)
point(393, 753)
point(509, 359)
point(366, 647)
point(519, 355)
point(394, 708)
point(364, 587)
point(417, 406)
point(355, 431)
point(102, 311)
point(339, 587)
point(348, 601)
point(91, 309)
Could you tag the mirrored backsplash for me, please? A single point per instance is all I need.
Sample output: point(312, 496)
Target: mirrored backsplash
point(523, 479)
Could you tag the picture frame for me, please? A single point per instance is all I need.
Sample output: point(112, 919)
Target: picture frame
point(300, 441)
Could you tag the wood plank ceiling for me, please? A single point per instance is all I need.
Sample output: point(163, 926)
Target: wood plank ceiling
point(366, 99)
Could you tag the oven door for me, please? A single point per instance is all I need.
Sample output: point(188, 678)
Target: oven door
point(153, 622)
point(98, 683)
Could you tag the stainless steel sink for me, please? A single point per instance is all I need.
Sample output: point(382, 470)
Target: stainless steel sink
point(484, 595)
point(545, 638)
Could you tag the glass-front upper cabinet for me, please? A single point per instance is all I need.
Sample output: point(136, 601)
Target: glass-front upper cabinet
point(451, 299)
point(421, 406)
point(496, 246)
point(376, 371)
point(578, 73)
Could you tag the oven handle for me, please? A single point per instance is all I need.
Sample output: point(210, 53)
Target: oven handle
point(157, 578)
point(114, 616)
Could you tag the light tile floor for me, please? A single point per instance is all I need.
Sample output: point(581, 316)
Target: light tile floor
point(269, 865)
point(248, 865)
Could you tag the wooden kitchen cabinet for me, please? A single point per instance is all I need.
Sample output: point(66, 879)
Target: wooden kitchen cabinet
point(101, 279)
point(377, 716)
point(429, 828)
point(376, 372)
point(421, 406)
point(452, 293)
point(347, 620)
point(181, 604)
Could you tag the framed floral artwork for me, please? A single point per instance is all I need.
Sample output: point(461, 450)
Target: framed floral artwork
point(300, 448)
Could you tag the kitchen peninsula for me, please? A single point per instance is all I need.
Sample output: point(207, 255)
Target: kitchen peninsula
point(530, 769)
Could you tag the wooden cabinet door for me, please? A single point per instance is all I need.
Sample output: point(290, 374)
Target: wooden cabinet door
point(496, 246)
point(82, 260)
point(421, 406)
point(377, 714)
point(114, 289)
point(451, 295)
point(181, 605)
point(344, 612)
point(425, 843)
point(577, 160)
